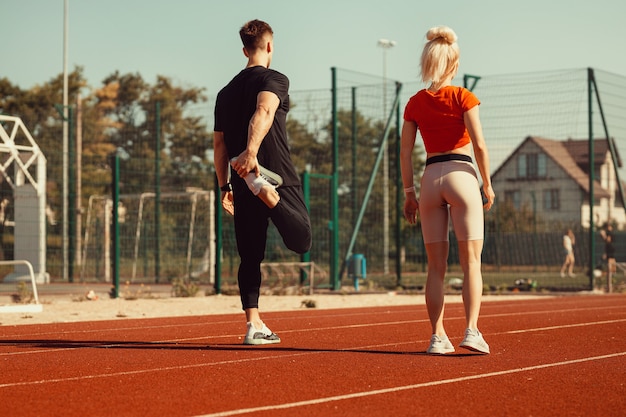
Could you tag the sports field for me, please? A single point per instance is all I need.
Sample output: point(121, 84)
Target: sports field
point(551, 356)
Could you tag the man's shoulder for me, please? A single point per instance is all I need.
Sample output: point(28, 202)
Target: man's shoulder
point(259, 73)
point(269, 75)
point(277, 73)
point(224, 90)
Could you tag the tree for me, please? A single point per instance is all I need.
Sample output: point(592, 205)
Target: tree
point(507, 219)
point(128, 104)
point(40, 108)
point(185, 137)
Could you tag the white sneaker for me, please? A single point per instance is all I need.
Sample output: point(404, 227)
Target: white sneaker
point(263, 336)
point(256, 184)
point(273, 178)
point(439, 345)
point(266, 178)
point(474, 341)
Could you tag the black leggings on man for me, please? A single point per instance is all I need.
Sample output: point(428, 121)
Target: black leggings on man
point(292, 221)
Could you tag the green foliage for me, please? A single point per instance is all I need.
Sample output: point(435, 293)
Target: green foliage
point(507, 218)
point(24, 295)
point(129, 293)
point(121, 113)
point(128, 107)
point(184, 287)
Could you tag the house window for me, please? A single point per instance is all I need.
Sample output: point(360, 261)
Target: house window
point(551, 199)
point(531, 165)
point(521, 166)
point(513, 198)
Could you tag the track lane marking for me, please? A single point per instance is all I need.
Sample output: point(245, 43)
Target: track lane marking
point(343, 314)
point(167, 326)
point(318, 329)
point(564, 326)
point(260, 358)
point(405, 388)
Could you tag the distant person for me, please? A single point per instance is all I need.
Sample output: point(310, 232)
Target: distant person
point(609, 255)
point(250, 137)
point(569, 240)
point(448, 120)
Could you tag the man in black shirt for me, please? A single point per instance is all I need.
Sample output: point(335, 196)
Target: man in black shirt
point(250, 141)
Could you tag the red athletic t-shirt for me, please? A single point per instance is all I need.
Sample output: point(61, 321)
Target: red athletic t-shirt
point(439, 117)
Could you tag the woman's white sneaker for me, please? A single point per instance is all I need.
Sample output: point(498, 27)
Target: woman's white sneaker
point(474, 341)
point(439, 345)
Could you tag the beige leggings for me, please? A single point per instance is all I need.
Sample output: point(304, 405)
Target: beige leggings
point(450, 189)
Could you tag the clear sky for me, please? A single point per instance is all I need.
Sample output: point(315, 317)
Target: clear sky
point(196, 43)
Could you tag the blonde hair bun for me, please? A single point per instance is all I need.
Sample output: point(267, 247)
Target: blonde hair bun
point(440, 57)
point(441, 32)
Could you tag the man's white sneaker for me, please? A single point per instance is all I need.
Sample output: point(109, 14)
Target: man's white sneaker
point(266, 178)
point(262, 336)
point(439, 345)
point(271, 177)
point(256, 184)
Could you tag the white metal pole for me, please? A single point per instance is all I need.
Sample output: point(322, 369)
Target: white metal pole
point(65, 142)
point(385, 174)
point(385, 44)
point(78, 178)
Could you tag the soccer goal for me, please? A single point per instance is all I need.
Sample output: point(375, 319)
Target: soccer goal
point(285, 275)
point(185, 236)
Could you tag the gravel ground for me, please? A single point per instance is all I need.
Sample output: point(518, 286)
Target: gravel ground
point(63, 303)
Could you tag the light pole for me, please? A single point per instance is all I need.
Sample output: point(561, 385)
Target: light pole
point(65, 243)
point(386, 44)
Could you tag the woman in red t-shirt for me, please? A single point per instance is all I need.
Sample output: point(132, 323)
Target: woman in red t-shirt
point(448, 121)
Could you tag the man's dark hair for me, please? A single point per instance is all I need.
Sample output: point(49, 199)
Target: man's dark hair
point(252, 34)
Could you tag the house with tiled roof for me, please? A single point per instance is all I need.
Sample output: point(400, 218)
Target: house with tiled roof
point(551, 177)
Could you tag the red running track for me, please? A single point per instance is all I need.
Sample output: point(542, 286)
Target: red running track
point(563, 356)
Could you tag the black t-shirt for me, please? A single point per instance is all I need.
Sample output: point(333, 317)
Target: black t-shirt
point(234, 107)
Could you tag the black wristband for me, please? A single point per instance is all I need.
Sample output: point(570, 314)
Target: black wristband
point(226, 187)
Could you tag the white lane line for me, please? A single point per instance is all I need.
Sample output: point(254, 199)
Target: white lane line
point(402, 322)
point(107, 329)
point(303, 317)
point(404, 388)
point(161, 369)
point(564, 326)
point(150, 344)
point(392, 323)
point(178, 340)
point(312, 351)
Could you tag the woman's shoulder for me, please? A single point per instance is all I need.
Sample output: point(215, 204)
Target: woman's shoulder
point(420, 93)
